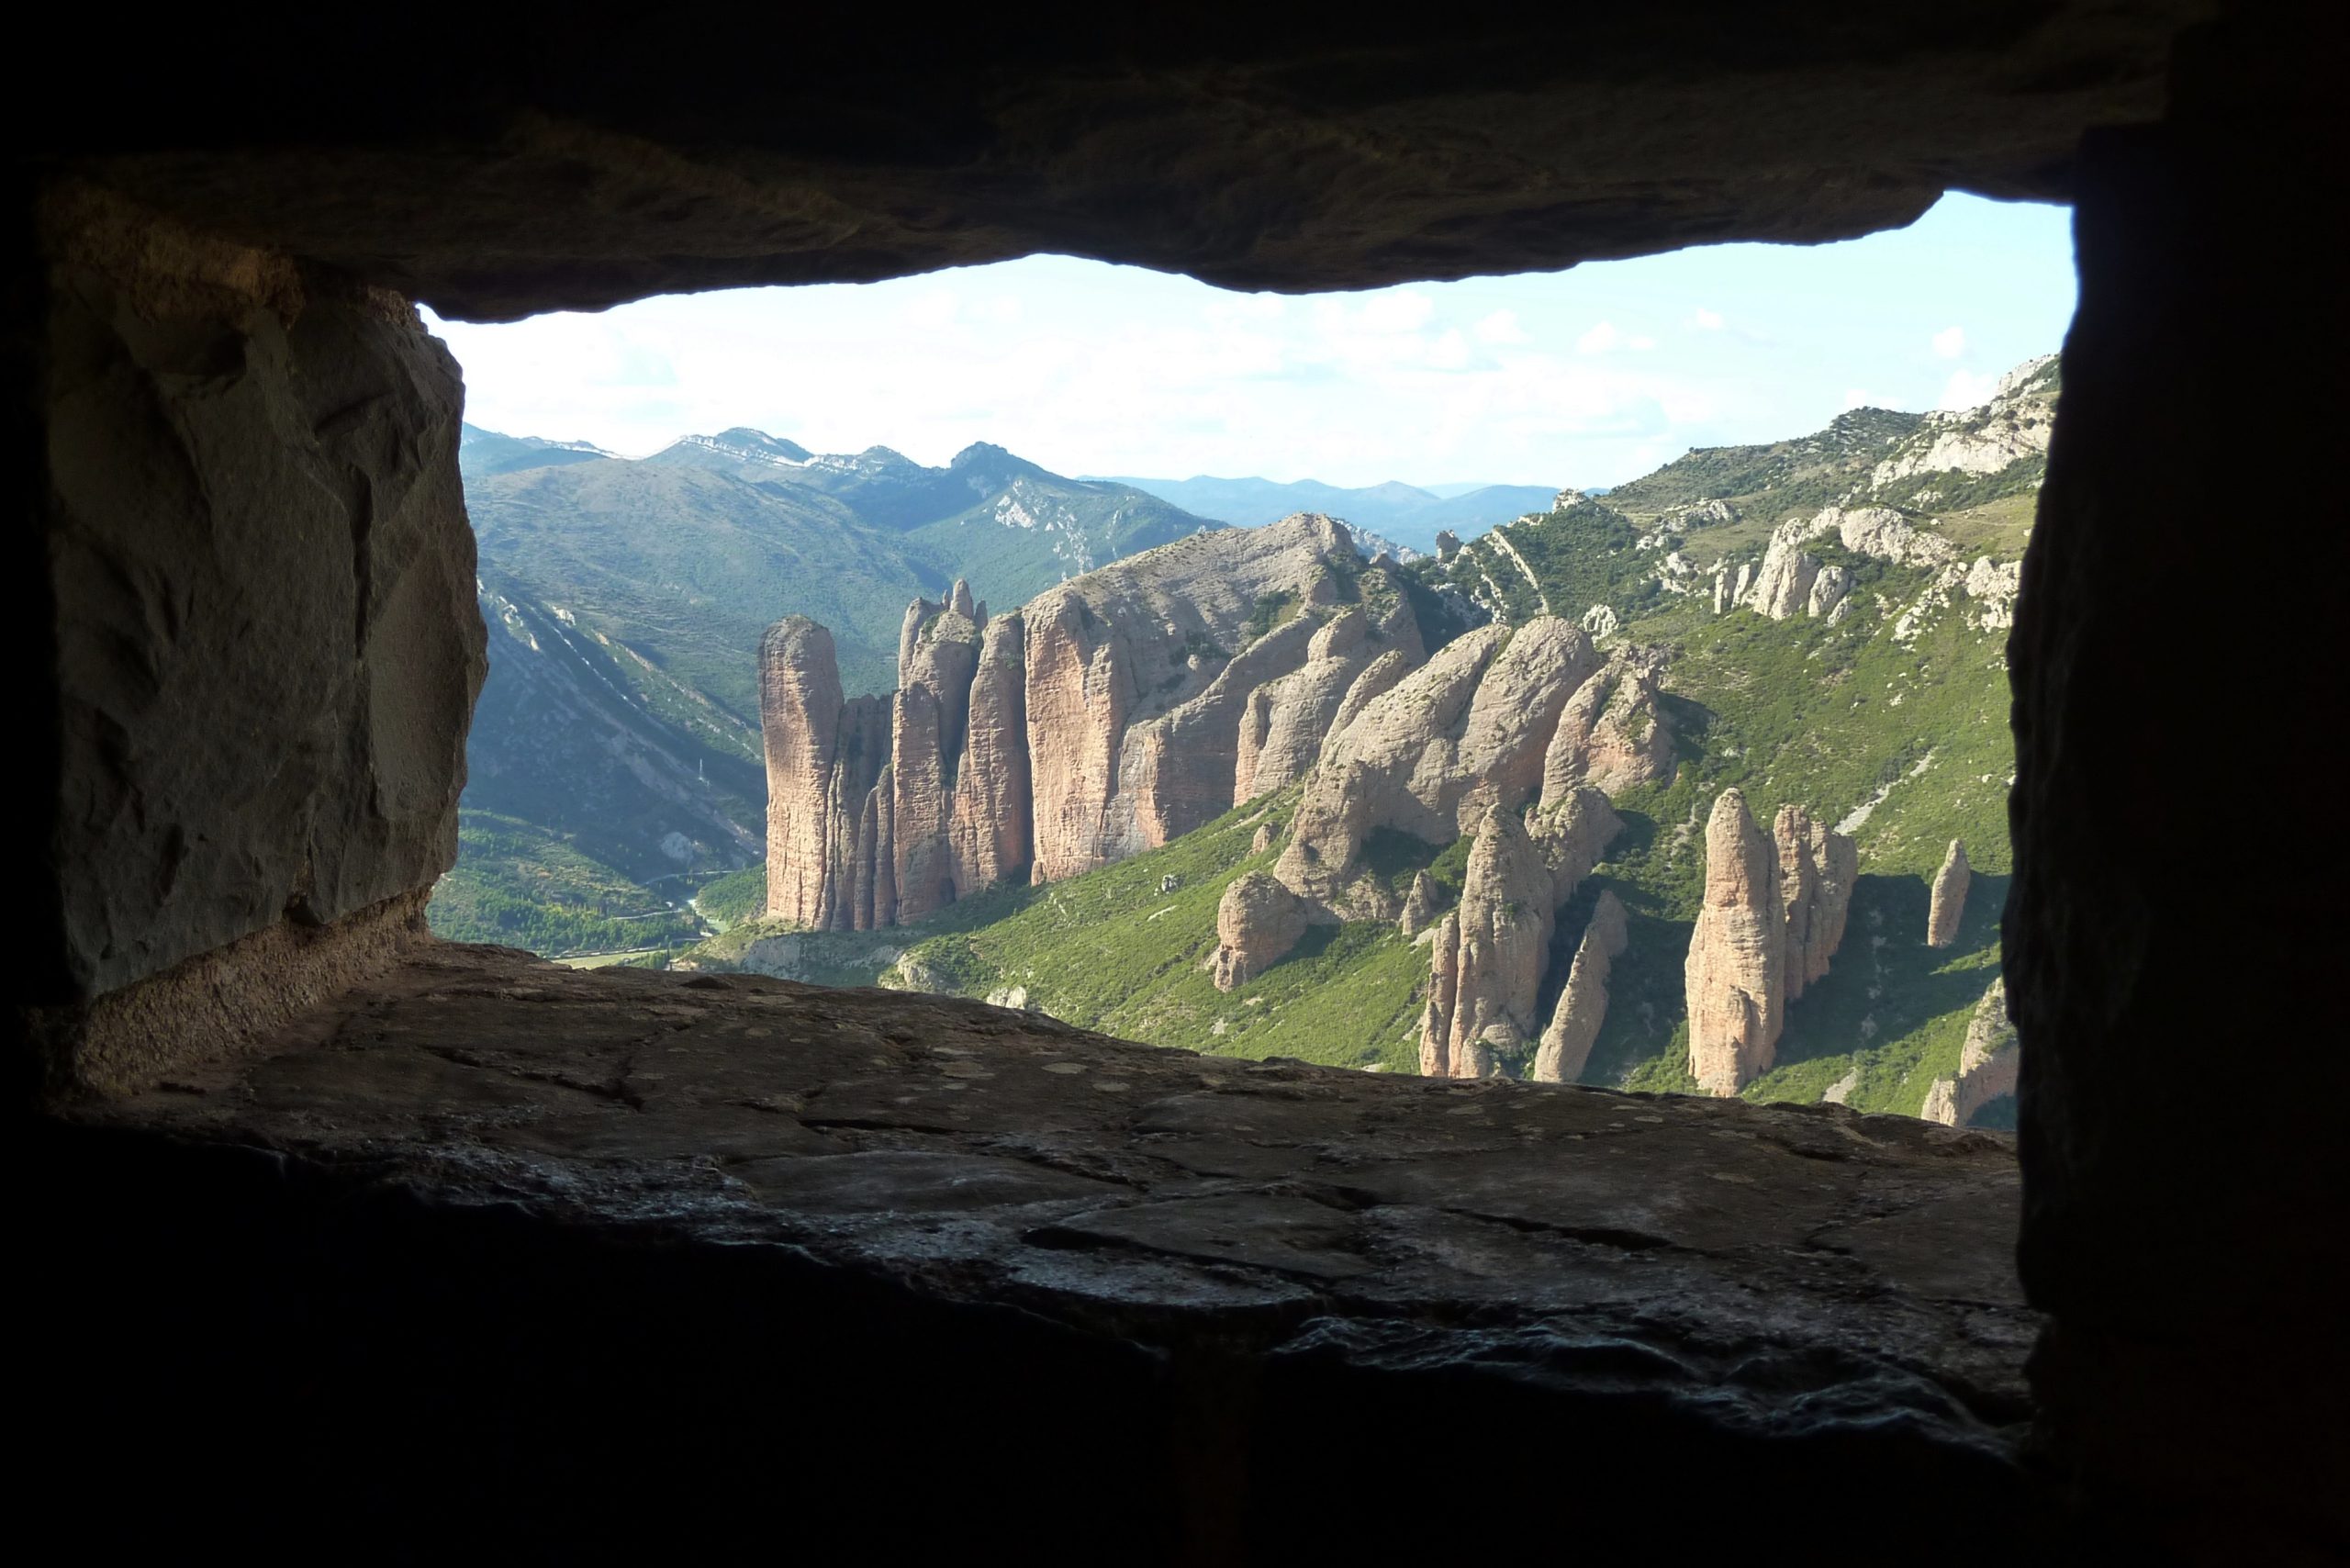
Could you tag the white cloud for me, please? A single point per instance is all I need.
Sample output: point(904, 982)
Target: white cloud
point(1967, 389)
point(1503, 327)
point(1949, 342)
point(1088, 368)
point(1404, 312)
point(1861, 397)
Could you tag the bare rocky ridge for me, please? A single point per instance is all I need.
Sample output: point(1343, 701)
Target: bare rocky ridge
point(1108, 716)
point(1949, 905)
point(1582, 1006)
point(1391, 767)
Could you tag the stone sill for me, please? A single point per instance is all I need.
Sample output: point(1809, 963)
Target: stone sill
point(1790, 1279)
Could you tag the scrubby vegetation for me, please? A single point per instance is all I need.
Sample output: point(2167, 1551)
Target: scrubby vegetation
point(733, 898)
point(523, 886)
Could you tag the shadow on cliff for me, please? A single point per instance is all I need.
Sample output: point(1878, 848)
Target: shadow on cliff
point(1883, 985)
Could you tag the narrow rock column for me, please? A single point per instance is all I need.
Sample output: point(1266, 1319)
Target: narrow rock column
point(989, 830)
point(1949, 905)
point(1737, 955)
point(1818, 868)
point(1582, 1006)
point(800, 716)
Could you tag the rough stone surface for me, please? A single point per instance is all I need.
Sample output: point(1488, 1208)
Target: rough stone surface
point(265, 641)
point(1111, 651)
point(1476, 719)
point(1737, 955)
point(1784, 582)
point(1257, 924)
point(1611, 733)
point(1274, 157)
point(1287, 720)
point(1392, 766)
point(2186, 1234)
point(1760, 1270)
point(1949, 903)
point(1582, 1006)
point(1420, 905)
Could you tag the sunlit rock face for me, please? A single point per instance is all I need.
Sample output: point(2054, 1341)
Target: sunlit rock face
point(1990, 1064)
point(1110, 714)
point(1948, 905)
point(1490, 953)
point(1583, 1005)
point(1737, 969)
point(1818, 868)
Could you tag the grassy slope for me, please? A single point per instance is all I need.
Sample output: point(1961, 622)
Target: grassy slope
point(1792, 711)
point(523, 886)
point(1109, 951)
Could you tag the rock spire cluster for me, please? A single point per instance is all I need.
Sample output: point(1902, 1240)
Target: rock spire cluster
point(1108, 715)
point(1774, 913)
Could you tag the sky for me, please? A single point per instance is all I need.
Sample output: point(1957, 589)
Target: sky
point(1588, 377)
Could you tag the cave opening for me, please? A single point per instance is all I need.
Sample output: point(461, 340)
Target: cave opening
point(720, 463)
point(443, 1230)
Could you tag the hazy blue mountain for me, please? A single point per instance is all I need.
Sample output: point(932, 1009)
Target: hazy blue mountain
point(619, 732)
point(484, 455)
point(1407, 514)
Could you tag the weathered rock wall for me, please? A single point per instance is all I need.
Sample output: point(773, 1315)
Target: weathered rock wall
point(262, 626)
point(2186, 1239)
point(1105, 717)
point(1774, 913)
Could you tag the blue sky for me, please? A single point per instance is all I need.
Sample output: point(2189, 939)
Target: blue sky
point(1589, 376)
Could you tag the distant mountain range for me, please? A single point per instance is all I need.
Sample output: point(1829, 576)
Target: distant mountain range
point(1408, 514)
point(620, 727)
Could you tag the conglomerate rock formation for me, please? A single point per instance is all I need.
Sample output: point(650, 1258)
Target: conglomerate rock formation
point(1737, 969)
point(1257, 924)
point(1489, 955)
point(1122, 709)
point(1582, 1006)
point(1990, 1064)
point(1949, 902)
point(2188, 1385)
point(1818, 871)
point(1773, 916)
